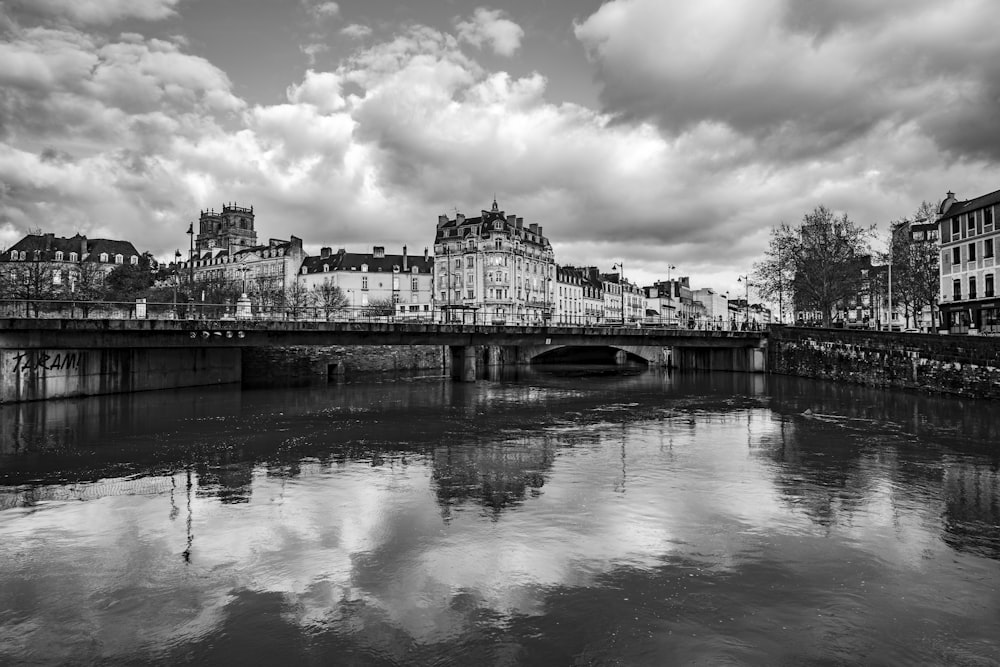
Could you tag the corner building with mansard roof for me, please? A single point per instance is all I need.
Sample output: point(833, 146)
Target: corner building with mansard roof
point(492, 269)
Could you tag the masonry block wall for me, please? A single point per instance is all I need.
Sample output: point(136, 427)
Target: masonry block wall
point(961, 365)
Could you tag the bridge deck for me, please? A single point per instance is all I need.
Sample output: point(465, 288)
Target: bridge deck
point(120, 333)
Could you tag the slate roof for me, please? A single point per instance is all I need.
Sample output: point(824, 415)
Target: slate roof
point(352, 261)
point(47, 245)
point(960, 207)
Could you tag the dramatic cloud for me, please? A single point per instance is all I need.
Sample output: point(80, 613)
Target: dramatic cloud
point(718, 122)
point(322, 10)
point(99, 11)
point(804, 78)
point(487, 27)
point(356, 30)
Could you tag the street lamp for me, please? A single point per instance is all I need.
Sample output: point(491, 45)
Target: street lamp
point(177, 277)
point(746, 301)
point(670, 267)
point(620, 267)
point(190, 233)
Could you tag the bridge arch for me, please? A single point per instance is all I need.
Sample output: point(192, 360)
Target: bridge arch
point(648, 354)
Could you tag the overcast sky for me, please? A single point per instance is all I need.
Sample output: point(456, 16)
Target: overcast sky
point(652, 132)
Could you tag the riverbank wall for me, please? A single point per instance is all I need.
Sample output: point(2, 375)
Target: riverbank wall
point(43, 374)
point(959, 365)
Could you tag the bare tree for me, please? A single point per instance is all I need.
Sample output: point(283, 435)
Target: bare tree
point(329, 298)
point(30, 281)
point(380, 307)
point(774, 275)
point(915, 264)
point(826, 254)
point(296, 298)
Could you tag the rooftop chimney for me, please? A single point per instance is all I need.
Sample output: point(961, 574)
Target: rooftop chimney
point(426, 251)
point(405, 264)
point(325, 252)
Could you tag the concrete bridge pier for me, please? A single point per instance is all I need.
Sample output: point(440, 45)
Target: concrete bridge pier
point(740, 359)
point(463, 363)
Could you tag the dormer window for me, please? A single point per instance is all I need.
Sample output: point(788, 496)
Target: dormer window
point(59, 255)
point(305, 270)
point(364, 268)
point(395, 268)
point(133, 260)
point(73, 256)
point(326, 268)
point(414, 270)
point(119, 258)
point(498, 224)
point(13, 255)
point(104, 257)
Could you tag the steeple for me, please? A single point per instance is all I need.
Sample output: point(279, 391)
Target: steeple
point(496, 207)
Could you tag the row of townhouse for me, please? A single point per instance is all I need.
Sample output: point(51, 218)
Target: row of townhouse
point(45, 265)
point(492, 268)
point(969, 233)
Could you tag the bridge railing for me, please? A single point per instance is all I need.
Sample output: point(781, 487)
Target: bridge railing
point(403, 313)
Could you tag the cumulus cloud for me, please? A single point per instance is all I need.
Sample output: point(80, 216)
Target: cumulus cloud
point(487, 26)
point(322, 10)
point(130, 137)
point(100, 11)
point(803, 78)
point(356, 31)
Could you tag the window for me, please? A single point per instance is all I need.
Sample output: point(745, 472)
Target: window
point(988, 248)
point(470, 262)
point(956, 289)
point(364, 268)
point(326, 268)
point(499, 244)
point(955, 227)
point(364, 282)
point(988, 289)
point(971, 222)
point(59, 255)
point(133, 260)
point(972, 252)
point(988, 217)
point(413, 285)
point(471, 293)
point(119, 258)
point(72, 256)
point(56, 277)
point(918, 236)
point(956, 255)
point(104, 256)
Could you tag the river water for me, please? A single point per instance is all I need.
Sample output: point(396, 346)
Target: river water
point(578, 515)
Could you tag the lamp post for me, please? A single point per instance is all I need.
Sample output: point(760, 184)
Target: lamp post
point(177, 277)
point(745, 279)
point(670, 267)
point(620, 267)
point(190, 233)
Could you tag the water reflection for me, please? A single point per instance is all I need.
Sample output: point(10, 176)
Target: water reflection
point(554, 518)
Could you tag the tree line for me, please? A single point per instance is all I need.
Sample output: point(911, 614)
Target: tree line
point(41, 284)
point(825, 264)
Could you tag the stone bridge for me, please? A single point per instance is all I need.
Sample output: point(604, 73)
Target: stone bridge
point(49, 358)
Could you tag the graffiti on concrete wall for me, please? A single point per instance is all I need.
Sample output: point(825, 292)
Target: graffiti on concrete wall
point(40, 360)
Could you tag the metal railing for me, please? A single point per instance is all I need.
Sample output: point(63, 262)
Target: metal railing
point(203, 311)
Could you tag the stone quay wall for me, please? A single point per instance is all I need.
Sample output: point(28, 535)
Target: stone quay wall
point(307, 363)
point(960, 365)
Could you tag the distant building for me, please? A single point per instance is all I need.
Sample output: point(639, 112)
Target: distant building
point(495, 266)
point(579, 296)
point(230, 229)
point(268, 271)
point(58, 262)
point(969, 237)
point(365, 279)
